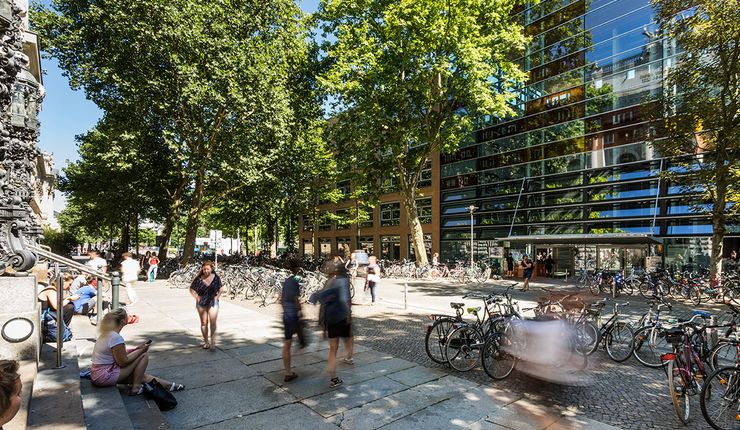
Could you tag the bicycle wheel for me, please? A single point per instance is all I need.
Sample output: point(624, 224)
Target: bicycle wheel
point(679, 393)
point(628, 287)
point(436, 339)
point(587, 338)
point(732, 296)
point(645, 290)
point(620, 341)
point(594, 287)
point(497, 360)
point(722, 355)
point(720, 398)
point(649, 346)
point(463, 348)
point(695, 295)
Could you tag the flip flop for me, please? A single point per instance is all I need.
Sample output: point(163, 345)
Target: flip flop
point(206, 345)
point(136, 393)
point(177, 387)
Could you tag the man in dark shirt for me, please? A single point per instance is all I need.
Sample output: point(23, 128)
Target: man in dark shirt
point(291, 316)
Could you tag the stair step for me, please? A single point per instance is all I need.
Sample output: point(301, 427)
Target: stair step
point(125, 412)
point(56, 403)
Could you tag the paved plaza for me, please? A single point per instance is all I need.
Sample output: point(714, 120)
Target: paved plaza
point(239, 385)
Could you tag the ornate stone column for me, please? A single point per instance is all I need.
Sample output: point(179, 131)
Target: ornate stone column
point(20, 99)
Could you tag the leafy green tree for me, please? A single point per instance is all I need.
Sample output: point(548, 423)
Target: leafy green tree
point(701, 107)
point(211, 77)
point(409, 76)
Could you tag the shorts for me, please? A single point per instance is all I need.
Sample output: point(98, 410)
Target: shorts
point(291, 327)
point(105, 375)
point(199, 307)
point(528, 274)
point(340, 329)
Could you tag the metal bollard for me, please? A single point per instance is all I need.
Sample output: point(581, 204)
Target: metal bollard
point(115, 289)
point(61, 327)
point(405, 293)
point(99, 304)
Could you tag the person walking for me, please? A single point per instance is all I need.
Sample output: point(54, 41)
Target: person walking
point(549, 263)
point(206, 289)
point(292, 323)
point(113, 363)
point(153, 266)
point(144, 263)
point(509, 264)
point(373, 277)
point(335, 318)
point(528, 269)
point(129, 275)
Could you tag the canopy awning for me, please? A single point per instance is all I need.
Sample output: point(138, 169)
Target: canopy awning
point(587, 239)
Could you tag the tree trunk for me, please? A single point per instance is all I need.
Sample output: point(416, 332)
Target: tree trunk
point(194, 217)
point(414, 226)
point(172, 218)
point(718, 224)
point(136, 233)
point(125, 236)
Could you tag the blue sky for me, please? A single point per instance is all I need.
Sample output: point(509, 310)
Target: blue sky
point(66, 113)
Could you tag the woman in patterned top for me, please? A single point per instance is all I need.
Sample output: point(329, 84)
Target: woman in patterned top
point(206, 289)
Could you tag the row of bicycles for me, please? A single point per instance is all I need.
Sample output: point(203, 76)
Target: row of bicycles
point(699, 354)
point(460, 272)
point(262, 284)
point(687, 285)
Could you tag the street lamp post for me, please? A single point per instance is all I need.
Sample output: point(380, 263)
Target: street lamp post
point(471, 209)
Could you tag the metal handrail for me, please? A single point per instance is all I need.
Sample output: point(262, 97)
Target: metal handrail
point(68, 262)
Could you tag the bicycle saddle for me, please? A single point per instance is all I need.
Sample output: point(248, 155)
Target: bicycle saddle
point(474, 310)
point(454, 305)
point(702, 314)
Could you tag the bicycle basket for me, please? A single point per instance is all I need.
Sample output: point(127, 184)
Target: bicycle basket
point(675, 336)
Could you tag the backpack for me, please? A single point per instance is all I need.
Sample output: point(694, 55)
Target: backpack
point(49, 327)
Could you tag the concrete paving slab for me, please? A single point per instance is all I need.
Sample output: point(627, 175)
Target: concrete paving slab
point(312, 380)
point(347, 397)
point(417, 375)
point(159, 360)
point(580, 423)
point(523, 415)
point(385, 410)
point(284, 417)
point(216, 403)
point(295, 362)
point(356, 374)
point(206, 372)
point(464, 410)
point(268, 354)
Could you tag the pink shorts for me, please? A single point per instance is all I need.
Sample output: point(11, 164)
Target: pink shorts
point(105, 375)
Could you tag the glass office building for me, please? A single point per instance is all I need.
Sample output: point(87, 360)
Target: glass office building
point(571, 173)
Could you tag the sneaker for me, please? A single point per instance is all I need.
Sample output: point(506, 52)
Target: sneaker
point(335, 382)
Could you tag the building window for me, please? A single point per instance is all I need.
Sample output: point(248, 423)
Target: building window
point(367, 213)
point(367, 243)
point(425, 180)
point(307, 247)
point(344, 245)
point(390, 185)
point(307, 223)
point(390, 214)
point(390, 247)
point(324, 247)
point(324, 222)
point(427, 246)
point(424, 209)
point(345, 188)
point(343, 219)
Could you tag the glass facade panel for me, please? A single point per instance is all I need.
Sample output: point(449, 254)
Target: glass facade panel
point(424, 210)
point(390, 214)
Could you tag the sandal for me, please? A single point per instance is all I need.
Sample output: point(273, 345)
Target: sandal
point(290, 377)
point(177, 387)
point(335, 382)
point(347, 360)
point(206, 345)
point(136, 393)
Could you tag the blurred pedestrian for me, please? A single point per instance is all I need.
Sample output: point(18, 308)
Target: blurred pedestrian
point(129, 275)
point(153, 266)
point(549, 263)
point(10, 391)
point(206, 289)
point(335, 318)
point(292, 323)
point(528, 269)
point(373, 277)
point(144, 263)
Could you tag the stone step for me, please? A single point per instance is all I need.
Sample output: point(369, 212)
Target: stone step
point(56, 403)
point(122, 411)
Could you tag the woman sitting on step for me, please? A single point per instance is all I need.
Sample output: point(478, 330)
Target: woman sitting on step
point(113, 364)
